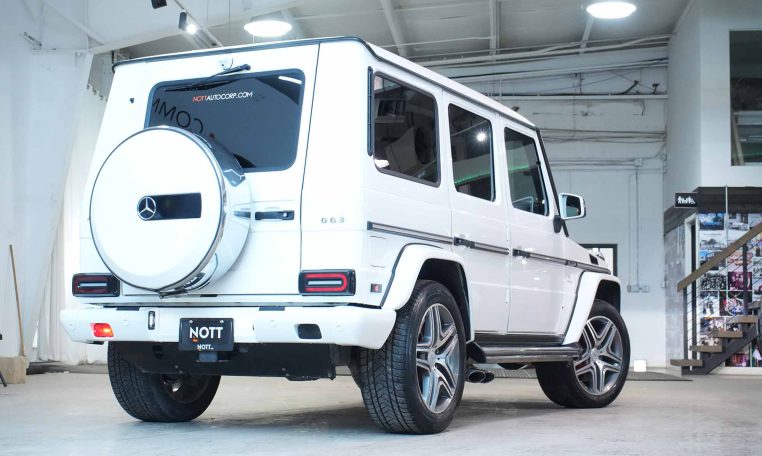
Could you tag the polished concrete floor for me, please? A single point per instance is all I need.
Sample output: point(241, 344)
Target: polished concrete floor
point(77, 414)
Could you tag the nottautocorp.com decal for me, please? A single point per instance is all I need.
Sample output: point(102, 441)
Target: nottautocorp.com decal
point(223, 96)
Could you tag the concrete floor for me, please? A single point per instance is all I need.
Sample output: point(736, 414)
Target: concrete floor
point(77, 414)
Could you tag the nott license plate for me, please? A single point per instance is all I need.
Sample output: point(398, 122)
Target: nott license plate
point(206, 334)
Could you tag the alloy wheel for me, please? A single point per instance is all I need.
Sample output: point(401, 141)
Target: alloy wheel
point(600, 366)
point(437, 357)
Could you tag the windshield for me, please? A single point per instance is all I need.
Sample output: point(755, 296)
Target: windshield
point(256, 117)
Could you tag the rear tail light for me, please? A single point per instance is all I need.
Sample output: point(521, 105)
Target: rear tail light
point(94, 285)
point(340, 283)
point(102, 330)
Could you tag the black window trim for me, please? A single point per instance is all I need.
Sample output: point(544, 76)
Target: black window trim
point(235, 77)
point(372, 128)
point(543, 170)
point(491, 153)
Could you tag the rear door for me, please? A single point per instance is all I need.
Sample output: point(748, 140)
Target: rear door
point(262, 117)
point(478, 212)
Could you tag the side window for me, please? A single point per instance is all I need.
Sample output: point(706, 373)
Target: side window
point(404, 130)
point(525, 173)
point(471, 143)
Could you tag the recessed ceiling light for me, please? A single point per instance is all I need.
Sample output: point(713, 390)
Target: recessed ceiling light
point(268, 28)
point(611, 10)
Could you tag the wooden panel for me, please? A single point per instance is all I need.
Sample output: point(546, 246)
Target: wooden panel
point(744, 319)
point(707, 348)
point(686, 362)
point(727, 334)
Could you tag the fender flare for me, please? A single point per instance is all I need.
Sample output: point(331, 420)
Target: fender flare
point(407, 270)
point(586, 294)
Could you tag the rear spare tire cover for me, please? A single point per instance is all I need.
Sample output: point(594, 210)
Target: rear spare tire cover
point(162, 211)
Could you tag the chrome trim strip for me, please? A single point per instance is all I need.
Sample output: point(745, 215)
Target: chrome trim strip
point(421, 235)
point(565, 262)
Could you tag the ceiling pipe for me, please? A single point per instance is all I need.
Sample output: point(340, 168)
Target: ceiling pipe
point(545, 52)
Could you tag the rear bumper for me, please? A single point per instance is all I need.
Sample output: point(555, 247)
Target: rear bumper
point(340, 325)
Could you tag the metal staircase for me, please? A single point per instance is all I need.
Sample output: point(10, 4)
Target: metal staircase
point(710, 340)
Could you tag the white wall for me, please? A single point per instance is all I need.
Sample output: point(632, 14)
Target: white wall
point(699, 102)
point(683, 172)
point(39, 113)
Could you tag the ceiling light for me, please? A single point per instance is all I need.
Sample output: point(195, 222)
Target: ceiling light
point(191, 28)
point(611, 10)
point(268, 28)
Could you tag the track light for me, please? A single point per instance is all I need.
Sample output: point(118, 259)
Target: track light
point(186, 25)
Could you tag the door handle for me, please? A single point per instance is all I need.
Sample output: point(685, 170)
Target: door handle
point(274, 215)
point(463, 242)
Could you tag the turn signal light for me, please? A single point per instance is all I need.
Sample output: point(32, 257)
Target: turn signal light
point(94, 285)
point(102, 330)
point(327, 283)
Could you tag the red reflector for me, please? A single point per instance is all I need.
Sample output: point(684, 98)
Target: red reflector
point(102, 330)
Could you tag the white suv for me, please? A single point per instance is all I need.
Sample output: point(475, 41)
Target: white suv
point(287, 208)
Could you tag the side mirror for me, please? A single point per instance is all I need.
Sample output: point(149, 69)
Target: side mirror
point(572, 206)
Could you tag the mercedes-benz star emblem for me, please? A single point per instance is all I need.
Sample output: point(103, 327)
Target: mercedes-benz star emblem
point(146, 208)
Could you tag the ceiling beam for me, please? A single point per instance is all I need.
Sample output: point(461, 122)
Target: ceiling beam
point(494, 26)
point(296, 30)
point(586, 34)
point(394, 27)
point(87, 30)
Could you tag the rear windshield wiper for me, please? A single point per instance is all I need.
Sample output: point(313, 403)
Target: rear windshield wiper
point(204, 82)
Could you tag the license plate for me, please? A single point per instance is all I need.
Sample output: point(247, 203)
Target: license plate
point(206, 334)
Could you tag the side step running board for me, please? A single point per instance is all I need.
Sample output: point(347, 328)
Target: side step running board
point(525, 355)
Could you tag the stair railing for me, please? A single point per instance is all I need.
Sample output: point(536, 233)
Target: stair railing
point(715, 274)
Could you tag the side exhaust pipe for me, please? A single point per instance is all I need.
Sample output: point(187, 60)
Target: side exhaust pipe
point(474, 375)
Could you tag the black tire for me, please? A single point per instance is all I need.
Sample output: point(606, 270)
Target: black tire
point(560, 383)
point(148, 397)
point(389, 376)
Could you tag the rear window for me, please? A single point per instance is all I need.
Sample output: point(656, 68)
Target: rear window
point(254, 117)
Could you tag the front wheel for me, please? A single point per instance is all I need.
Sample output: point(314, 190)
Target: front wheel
point(159, 397)
point(413, 384)
point(598, 376)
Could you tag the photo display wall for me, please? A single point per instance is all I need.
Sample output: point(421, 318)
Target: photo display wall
point(720, 292)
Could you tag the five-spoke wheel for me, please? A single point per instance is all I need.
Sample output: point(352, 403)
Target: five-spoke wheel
point(413, 384)
point(600, 365)
point(597, 377)
point(437, 356)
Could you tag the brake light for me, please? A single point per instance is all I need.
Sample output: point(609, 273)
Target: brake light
point(94, 285)
point(102, 330)
point(327, 282)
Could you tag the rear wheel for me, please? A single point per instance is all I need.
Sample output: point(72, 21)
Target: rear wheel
point(413, 384)
point(598, 376)
point(159, 397)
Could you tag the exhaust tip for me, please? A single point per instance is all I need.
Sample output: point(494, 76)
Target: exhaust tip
point(476, 376)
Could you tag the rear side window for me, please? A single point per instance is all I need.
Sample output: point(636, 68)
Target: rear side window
point(525, 173)
point(471, 144)
point(254, 117)
point(404, 131)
